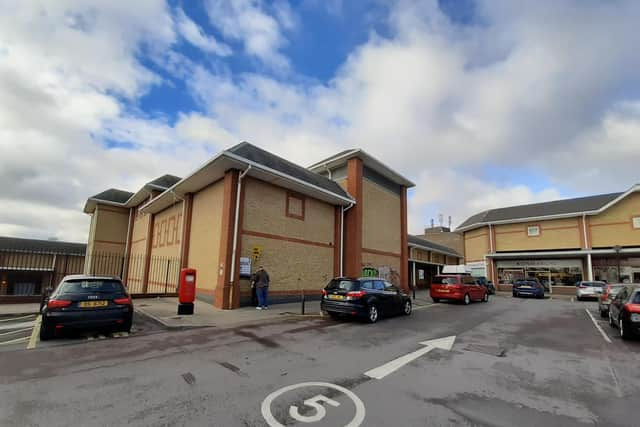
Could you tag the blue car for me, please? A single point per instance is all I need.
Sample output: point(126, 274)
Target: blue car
point(528, 288)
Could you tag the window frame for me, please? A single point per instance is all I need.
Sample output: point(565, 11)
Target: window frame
point(530, 226)
point(303, 201)
point(635, 222)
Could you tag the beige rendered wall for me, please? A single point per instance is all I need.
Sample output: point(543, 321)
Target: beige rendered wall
point(292, 248)
point(111, 224)
point(380, 218)
point(164, 265)
point(204, 240)
point(476, 244)
point(554, 234)
point(138, 251)
point(614, 226)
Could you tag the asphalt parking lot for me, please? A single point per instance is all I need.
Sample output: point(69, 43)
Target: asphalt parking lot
point(19, 332)
point(510, 362)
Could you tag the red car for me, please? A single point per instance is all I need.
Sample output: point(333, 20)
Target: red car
point(458, 287)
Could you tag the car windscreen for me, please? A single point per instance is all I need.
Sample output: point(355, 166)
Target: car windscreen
point(344, 285)
point(91, 286)
point(445, 280)
point(615, 289)
point(636, 298)
point(526, 283)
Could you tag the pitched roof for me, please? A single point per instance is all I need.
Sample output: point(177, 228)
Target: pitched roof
point(368, 160)
point(428, 244)
point(265, 158)
point(536, 210)
point(113, 195)
point(165, 181)
point(35, 245)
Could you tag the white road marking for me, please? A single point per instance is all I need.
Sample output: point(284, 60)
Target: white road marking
point(10, 319)
point(268, 401)
point(16, 325)
point(35, 335)
point(615, 381)
point(604, 335)
point(392, 366)
point(17, 340)
point(421, 307)
point(14, 332)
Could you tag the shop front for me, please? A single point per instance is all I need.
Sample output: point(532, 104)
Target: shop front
point(550, 272)
point(614, 269)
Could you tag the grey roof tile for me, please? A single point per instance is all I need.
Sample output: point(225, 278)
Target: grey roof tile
point(431, 245)
point(165, 181)
point(35, 245)
point(556, 207)
point(258, 155)
point(113, 195)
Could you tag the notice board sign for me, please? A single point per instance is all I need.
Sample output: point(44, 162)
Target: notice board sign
point(245, 267)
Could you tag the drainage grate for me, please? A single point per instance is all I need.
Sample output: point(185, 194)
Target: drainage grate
point(189, 378)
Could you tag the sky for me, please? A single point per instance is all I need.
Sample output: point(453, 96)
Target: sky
point(482, 103)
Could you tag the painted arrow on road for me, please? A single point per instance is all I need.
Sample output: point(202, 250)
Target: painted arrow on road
point(384, 370)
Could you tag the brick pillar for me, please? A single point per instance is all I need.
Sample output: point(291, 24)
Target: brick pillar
point(186, 230)
point(147, 255)
point(353, 221)
point(404, 250)
point(337, 218)
point(223, 287)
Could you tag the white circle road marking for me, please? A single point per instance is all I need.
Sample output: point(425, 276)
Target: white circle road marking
point(270, 419)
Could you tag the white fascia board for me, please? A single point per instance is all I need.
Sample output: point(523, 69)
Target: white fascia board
point(331, 160)
point(102, 202)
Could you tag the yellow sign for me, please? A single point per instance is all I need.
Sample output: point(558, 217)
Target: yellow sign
point(256, 252)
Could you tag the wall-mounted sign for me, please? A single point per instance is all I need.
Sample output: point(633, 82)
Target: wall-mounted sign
point(420, 274)
point(542, 263)
point(256, 252)
point(245, 267)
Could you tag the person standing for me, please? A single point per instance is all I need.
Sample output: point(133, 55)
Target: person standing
point(254, 295)
point(262, 288)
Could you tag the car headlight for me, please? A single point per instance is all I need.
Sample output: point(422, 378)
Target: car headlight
point(635, 317)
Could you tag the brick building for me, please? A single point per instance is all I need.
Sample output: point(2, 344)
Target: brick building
point(559, 242)
point(345, 215)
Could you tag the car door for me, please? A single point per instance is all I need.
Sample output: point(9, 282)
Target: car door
point(393, 294)
point(383, 298)
point(616, 304)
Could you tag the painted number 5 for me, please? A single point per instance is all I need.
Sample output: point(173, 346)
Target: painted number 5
point(314, 403)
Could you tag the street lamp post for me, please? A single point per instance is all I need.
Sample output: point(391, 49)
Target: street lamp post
point(617, 249)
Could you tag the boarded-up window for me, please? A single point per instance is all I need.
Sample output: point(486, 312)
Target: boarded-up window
point(295, 206)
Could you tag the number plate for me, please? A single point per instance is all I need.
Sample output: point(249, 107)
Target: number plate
point(337, 297)
point(525, 287)
point(90, 304)
point(444, 290)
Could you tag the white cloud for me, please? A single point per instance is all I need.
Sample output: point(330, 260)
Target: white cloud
point(250, 21)
point(197, 37)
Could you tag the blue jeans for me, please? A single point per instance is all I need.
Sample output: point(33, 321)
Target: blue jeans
point(262, 296)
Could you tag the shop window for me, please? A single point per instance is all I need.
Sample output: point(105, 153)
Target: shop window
point(636, 222)
point(533, 230)
point(295, 206)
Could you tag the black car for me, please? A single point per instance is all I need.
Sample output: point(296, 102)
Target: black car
point(491, 289)
point(365, 297)
point(624, 312)
point(528, 288)
point(87, 302)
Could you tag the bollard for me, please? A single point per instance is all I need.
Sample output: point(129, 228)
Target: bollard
point(414, 292)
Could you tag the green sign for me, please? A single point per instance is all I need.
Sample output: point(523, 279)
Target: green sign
point(369, 272)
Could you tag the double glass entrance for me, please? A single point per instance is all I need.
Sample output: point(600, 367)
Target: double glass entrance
point(548, 272)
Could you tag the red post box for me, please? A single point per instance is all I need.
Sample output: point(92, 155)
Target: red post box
point(186, 291)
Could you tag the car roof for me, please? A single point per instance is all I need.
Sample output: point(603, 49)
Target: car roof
point(88, 277)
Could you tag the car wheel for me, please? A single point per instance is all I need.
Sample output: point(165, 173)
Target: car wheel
point(579, 298)
point(604, 313)
point(46, 331)
point(624, 333)
point(436, 300)
point(467, 299)
point(373, 313)
point(485, 298)
point(407, 308)
point(127, 327)
point(334, 316)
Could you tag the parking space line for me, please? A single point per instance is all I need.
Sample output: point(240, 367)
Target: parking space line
point(421, 307)
point(593, 319)
point(17, 340)
point(33, 341)
point(11, 319)
point(14, 332)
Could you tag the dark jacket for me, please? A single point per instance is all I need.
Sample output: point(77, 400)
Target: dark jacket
point(261, 279)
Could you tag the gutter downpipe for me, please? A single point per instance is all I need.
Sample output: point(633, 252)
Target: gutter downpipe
point(342, 238)
point(235, 234)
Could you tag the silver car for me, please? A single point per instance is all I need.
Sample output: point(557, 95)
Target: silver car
point(586, 289)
